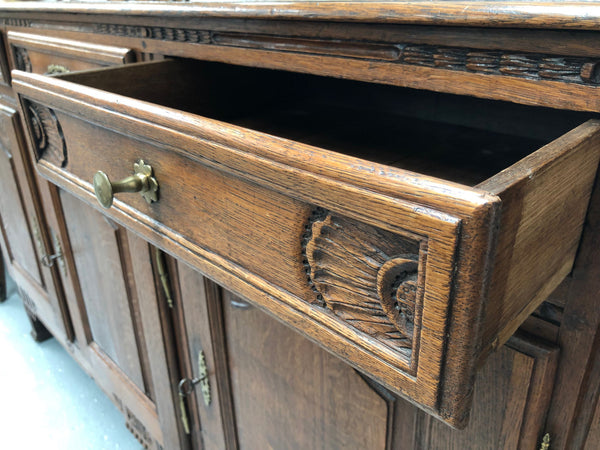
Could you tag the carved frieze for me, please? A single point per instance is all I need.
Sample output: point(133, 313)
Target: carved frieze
point(161, 33)
point(369, 277)
point(17, 22)
point(47, 136)
point(523, 65)
point(536, 66)
point(28, 303)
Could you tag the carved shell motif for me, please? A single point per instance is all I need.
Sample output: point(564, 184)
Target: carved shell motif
point(47, 135)
point(366, 275)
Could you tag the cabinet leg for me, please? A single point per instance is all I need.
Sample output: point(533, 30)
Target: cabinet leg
point(39, 332)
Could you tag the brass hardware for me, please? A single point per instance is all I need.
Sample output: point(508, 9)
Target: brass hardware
point(48, 260)
point(203, 378)
point(58, 249)
point(545, 442)
point(55, 69)
point(184, 417)
point(37, 235)
point(186, 386)
point(164, 277)
point(141, 181)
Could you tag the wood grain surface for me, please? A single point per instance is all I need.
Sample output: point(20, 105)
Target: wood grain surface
point(412, 248)
point(273, 368)
point(550, 14)
point(290, 198)
point(459, 60)
point(38, 54)
point(25, 236)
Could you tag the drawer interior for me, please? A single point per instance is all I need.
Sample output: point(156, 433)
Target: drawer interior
point(458, 139)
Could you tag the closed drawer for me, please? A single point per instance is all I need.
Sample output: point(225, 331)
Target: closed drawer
point(49, 55)
point(411, 278)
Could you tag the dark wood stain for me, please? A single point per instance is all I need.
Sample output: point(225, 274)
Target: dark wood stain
point(412, 186)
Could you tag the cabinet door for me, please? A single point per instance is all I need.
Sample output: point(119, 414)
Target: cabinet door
point(22, 231)
point(272, 388)
point(15, 226)
point(121, 326)
point(510, 403)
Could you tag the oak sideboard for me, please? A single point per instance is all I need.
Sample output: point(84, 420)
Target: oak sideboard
point(298, 225)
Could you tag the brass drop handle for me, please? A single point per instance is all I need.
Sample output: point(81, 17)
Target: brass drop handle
point(141, 181)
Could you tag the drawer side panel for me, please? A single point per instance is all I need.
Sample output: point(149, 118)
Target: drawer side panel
point(544, 202)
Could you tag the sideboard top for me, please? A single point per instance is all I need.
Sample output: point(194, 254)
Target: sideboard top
point(582, 15)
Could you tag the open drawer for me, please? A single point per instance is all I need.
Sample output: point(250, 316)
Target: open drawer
point(411, 251)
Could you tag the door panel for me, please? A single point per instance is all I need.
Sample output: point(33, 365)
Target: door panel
point(289, 393)
point(510, 403)
point(200, 314)
point(15, 226)
point(123, 332)
point(98, 252)
point(270, 386)
point(23, 236)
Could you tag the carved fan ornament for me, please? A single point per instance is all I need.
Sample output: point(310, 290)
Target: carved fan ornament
point(367, 276)
point(22, 61)
point(47, 134)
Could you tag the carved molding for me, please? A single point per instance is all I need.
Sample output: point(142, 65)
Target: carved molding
point(535, 66)
point(522, 65)
point(49, 142)
point(367, 276)
point(17, 22)
point(136, 427)
point(161, 33)
point(28, 303)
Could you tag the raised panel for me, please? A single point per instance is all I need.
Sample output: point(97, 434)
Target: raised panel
point(124, 332)
point(289, 393)
point(510, 401)
point(26, 240)
point(98, 253)
point(200, 314)
point(15, 226)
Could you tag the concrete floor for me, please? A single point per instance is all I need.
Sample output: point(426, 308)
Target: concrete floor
point(46, 400)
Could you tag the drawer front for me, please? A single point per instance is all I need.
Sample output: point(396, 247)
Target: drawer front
point(49, 56)
point(386, 268)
